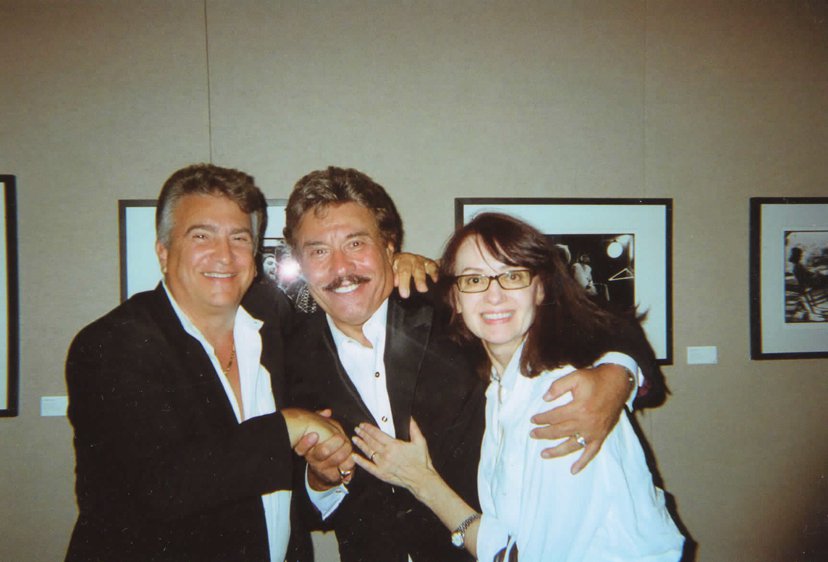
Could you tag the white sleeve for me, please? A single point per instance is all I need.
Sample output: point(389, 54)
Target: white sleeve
point(328, 500)
point(624, 360)
point(492, 537)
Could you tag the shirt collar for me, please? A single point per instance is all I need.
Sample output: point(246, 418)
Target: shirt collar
point(512, 370)
point(373, 329)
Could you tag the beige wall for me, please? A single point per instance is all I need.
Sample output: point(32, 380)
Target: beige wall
point(705, 102)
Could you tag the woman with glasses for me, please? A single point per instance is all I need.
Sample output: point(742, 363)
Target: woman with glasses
point(515, 302)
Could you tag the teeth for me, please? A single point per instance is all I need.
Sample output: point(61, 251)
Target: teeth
point(497, 315)
point(219, 275)
point(344, 289)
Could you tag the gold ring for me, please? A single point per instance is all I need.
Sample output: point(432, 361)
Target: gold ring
point(343, 474)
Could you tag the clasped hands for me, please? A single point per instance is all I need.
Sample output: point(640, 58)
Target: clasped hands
point(324, 445)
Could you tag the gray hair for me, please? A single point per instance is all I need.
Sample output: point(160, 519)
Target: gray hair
point(208, 179)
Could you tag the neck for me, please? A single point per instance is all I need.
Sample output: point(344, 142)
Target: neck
point(353, 332)
point(500, 355)
point(216, 328)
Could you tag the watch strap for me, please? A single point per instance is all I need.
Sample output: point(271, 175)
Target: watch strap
point(458, 537)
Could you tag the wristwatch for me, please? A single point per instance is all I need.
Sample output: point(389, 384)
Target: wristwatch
point(458, 537)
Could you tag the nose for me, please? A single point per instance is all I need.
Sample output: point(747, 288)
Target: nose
point(222, 250)
point(340, 263)
point(494, 294)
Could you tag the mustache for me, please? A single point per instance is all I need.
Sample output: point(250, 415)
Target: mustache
point(345, 279)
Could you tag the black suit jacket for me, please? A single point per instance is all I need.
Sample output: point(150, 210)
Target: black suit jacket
point(164, 471)
point(430, 379)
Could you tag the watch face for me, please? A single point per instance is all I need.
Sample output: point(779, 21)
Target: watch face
point(457, 539)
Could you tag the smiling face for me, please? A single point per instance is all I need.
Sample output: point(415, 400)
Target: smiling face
point(209, 263)
point(346, 263)
point(499, 317)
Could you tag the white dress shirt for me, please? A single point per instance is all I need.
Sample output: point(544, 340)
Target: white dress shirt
point(609, 511)
point(365, 366)
point(257, 397)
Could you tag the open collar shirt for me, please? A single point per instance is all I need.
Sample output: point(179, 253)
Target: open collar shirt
point(365, 366)
point(258, 400)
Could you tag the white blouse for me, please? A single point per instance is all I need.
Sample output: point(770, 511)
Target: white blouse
point(609, 511)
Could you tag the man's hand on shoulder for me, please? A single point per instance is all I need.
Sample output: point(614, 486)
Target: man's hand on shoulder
point(414, 268)
point(598, 397)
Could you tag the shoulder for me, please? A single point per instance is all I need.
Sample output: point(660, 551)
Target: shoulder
point(269, 304)
point(134, 324)
point(132, 313)
point(416, 309)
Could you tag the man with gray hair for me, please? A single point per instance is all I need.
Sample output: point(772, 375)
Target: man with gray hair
point(183, 449)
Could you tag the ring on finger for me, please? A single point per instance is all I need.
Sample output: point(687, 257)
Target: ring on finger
point(579, 439)
point(343, 474)
point(373, 454)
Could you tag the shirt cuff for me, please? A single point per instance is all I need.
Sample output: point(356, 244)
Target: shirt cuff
point(624, 360)
point(492, 537)
point(326, 501)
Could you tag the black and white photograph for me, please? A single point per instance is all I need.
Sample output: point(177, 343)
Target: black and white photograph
point(788, 277)
point(806, 276)
point(603, 264)
point(618, 249)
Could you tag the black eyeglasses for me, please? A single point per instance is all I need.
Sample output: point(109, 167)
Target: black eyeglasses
point(510, 280)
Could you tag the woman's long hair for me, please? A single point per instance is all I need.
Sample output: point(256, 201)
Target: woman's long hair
point(568, 329)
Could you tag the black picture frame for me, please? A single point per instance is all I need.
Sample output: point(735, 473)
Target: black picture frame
point(637, 232)
point(139, 268)
point(10, 340)
point(788, 277)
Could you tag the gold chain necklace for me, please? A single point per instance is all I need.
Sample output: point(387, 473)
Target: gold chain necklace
point(226, 370)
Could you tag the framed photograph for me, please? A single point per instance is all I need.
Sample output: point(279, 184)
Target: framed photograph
point(788, 277)
point(140, 270)
point(619, 250)
point(9, 338)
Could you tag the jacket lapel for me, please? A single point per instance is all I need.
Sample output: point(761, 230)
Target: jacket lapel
point(190, 362)
point(359, 408)
point(405, 344)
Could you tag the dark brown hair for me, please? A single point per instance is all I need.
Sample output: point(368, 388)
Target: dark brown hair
point(335, 186)
point(208, 179)
point(568, 329)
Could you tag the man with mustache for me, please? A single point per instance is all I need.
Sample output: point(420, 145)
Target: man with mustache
point(371, 356)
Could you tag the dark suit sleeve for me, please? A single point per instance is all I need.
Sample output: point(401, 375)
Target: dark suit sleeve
point(149, 436)
point(628, 337)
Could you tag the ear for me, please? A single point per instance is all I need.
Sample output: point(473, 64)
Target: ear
point(161, 252)
point(389, 250)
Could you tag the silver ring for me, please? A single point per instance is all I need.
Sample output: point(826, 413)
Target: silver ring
point(374, 454)
point(579, 439)
point(343, 474)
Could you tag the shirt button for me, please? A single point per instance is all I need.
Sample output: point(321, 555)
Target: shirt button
point(377, 375)
point(384, 419)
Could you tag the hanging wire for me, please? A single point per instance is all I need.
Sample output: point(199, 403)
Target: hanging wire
point(209, 93)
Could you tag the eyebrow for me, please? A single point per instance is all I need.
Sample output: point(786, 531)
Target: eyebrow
point(351, 236)
point(213, 228)
point(480, 271)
